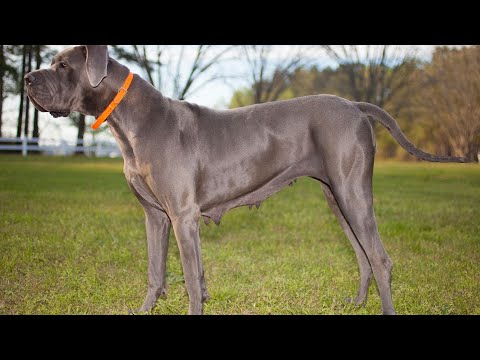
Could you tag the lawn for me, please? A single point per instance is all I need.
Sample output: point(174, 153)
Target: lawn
point(72, 241)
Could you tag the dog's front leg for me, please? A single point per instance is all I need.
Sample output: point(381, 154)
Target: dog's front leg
point(187, 233)
point(158, 230)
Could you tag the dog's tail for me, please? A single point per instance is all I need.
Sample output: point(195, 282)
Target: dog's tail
point(386, 120)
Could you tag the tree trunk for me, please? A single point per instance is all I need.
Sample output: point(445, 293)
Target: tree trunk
point(2, 73)
point(27, 101)
point(22, 91)
point(473, 155)
point(472, 152)
point(81, 134)
point(38, 64)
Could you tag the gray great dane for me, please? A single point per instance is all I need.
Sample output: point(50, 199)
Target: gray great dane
point(184, 161)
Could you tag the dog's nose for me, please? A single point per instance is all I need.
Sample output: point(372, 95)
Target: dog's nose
point(29, 79)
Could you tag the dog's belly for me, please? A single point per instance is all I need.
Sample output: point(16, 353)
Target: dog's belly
point(254, 196)
point(248, 176)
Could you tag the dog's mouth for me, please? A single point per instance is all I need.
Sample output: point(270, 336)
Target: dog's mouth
point(55, 114)
point(35, 103)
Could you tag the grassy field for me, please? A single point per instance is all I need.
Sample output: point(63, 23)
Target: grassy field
point(72, 241)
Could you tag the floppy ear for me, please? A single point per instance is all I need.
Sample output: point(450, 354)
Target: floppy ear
point(97, 62)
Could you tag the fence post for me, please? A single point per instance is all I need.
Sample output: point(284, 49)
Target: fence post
point(99, 149)
point(24, 146)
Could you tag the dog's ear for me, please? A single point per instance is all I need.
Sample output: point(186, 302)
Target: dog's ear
point(97, 63)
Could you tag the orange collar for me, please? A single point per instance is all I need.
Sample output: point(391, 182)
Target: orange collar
point(117, 100)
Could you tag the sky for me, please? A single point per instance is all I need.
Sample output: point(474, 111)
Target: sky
point(216, 94)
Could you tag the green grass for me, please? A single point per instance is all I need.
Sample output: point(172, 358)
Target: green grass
point(72, 241)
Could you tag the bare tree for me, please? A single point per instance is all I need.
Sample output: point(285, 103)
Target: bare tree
point(8, 75)
point(22, 92)
point(80, 135)
point(2, 74)
point(451, 99)
point(376, 73)
point(27, 101)
point(270, 68)
point(38, 64)
point(79, 121)
point(178, 71)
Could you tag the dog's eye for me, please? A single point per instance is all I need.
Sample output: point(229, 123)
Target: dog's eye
point(63, 65)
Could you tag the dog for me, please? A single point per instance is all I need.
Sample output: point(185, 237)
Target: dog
point(185, 161)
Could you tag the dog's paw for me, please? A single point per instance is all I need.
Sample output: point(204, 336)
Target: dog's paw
point(138, 311)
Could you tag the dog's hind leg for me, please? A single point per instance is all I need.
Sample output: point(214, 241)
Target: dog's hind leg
point(353, 192)
point(363, 263)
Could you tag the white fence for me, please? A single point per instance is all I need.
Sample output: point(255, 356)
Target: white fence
point(59, 147)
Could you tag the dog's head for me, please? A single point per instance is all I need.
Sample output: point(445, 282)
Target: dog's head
point(72, 83)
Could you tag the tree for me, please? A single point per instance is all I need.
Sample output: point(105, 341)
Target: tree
point(269, 70)
point(241, 97)
point(79, 121)
point(178, 71)
point(375, 73)
point(2, 74)
point(311, 81)
point(27, 101)
point(451, 98)
point(22, 91)
point(80, 134)
point(25, 55)
point(383, 75)
point(38, 64)
point(8, 75)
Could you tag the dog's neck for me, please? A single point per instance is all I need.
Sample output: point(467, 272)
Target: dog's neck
point(117, 73)
point(109, 88)
point(127, 119)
